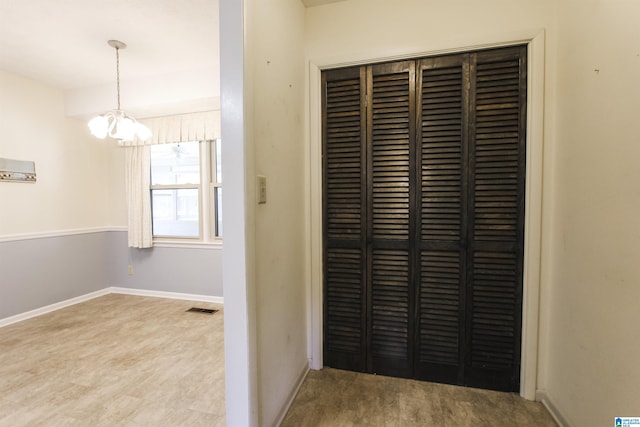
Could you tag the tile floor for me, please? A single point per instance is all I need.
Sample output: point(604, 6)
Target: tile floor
point(122, 360)
point(340, 399)
point(117, 360)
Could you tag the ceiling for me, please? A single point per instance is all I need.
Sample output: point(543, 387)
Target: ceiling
point(63, 43)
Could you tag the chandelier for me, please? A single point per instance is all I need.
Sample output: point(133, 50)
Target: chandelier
point(117, 124)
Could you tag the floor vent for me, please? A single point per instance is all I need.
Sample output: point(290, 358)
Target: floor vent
point(202, 310)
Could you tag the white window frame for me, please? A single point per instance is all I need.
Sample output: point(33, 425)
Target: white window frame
point(215, 183)
point(208, 214)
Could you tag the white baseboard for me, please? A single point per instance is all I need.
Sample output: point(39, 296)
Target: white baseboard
point(301, 377)
point(546, 400)
point(52, 307)
point(162, 294)
point(111, 290)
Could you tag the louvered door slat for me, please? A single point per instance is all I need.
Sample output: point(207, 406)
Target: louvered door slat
point(343, 300)
point(494, 310)
point(390, 133)
point(390, 308)
point(497, 150)
point(441, 115)
point(343, 153)
point(439, 305)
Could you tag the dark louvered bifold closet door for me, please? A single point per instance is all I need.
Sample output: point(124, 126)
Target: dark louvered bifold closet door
point(423, 204)
point(496, 224)
point(345, 213)
point(442, 145)
point(390, 164)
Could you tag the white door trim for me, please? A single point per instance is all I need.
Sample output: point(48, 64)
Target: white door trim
point(533, 204)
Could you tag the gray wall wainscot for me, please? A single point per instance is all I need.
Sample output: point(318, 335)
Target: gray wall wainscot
point(36, 272)
point(195, 271)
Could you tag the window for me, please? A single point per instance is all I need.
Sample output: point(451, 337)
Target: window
point(215, 186)
point(186, 190)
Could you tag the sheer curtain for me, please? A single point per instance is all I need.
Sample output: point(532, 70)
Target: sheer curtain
point(137, 180)
point(167, 129)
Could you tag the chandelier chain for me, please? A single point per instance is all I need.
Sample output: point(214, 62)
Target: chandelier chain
point(118, 74)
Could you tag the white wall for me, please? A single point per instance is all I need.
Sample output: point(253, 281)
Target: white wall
point(594, 330)
point(371, 28)
point(589, 334)
point(71, 166)
point(241, 394)
point(275, 74)
point(262, 81)
point(115, 195)
point(72, 180)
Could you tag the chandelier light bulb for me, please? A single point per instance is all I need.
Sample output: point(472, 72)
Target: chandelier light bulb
point(142, 132)
point(99, 127)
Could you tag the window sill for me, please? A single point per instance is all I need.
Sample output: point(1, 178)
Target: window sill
point(187, 244)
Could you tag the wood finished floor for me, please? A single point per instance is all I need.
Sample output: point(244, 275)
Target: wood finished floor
point(117, 360)
point(335, 398)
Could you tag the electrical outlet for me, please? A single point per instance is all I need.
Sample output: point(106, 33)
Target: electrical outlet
point(130, 270)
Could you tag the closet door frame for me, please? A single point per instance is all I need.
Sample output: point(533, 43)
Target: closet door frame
point(533, 190)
